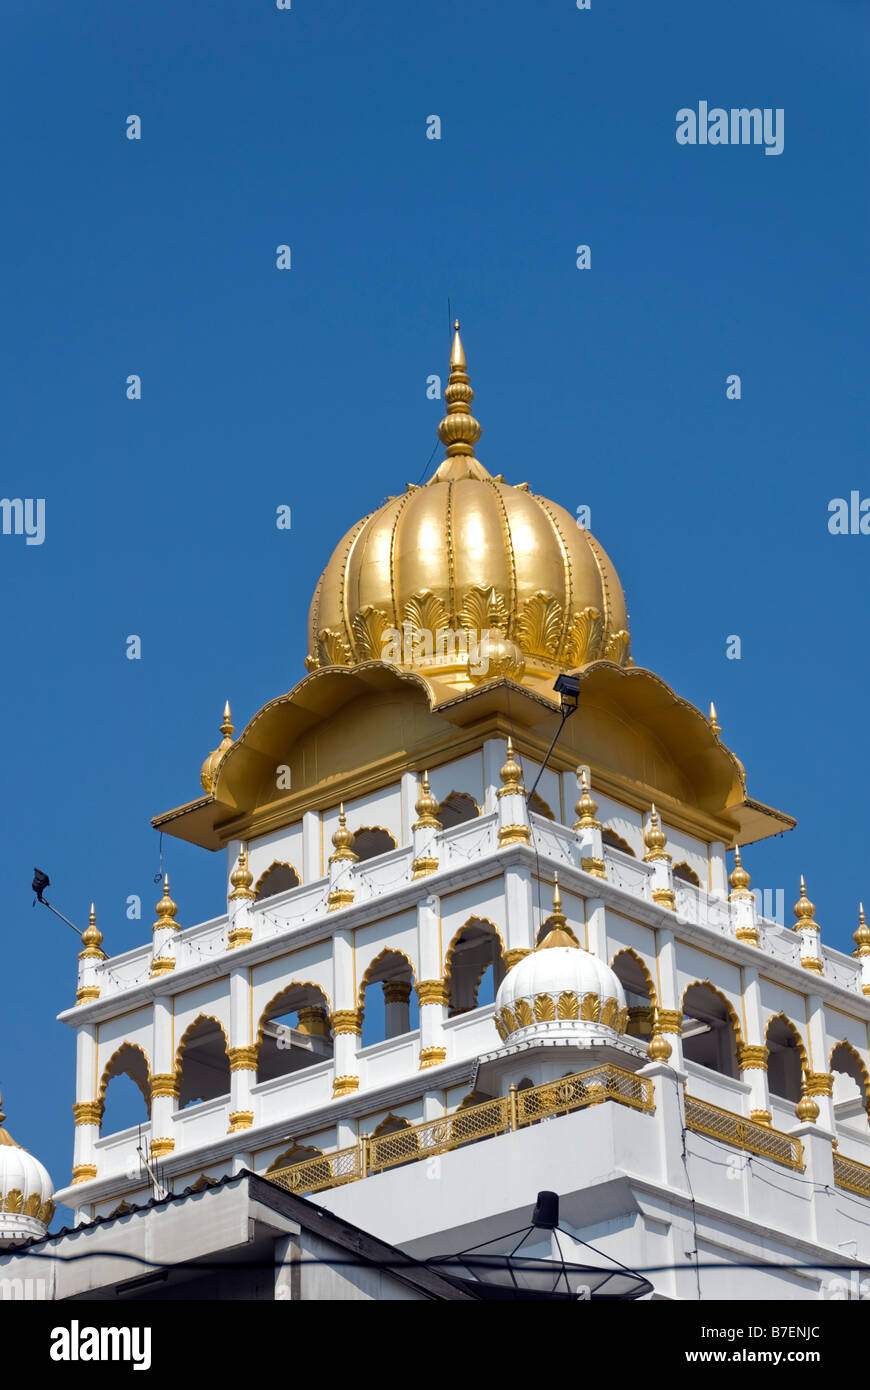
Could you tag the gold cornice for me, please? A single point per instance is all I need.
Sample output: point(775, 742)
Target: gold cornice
point(243, 1058)
point(165, 1083)
point(459, 726)
point(88, 1112)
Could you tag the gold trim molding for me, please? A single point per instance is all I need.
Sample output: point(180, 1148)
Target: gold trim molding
point(431, 1056)
point(243, 1058)
point(88, 1112)
point(344, 1086)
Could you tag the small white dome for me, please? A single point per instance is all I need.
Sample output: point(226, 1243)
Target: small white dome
point(559, 983)
point(26, 1192)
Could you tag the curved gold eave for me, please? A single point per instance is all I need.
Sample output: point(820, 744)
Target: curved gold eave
point(642, 741)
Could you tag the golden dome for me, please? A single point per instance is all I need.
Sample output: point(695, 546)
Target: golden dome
point(422, 579)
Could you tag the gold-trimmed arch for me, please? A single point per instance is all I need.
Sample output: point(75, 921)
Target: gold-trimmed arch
point(471, 1099)
point(265, 1016)
point(610, 837)
point(297, 1153)
point(684, 873)
point(473, 920)
point(367, 980)
point(277, 864)
point(540, 807)
point(391, 1124)
point(729, 1007)
point(795, 1031)
point(372, 829)
point(460, 796)
point(862, 1067)
point(200, 1018)
point(644, 970)
point(106, 1078)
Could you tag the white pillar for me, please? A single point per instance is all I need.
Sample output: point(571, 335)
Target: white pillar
point(669, 1015)
point(493, 757)
point(754, 1054)
point(820, 1082)
point(88, 1109)
point(312, 847)
point(242, 1052)
point(718, 876)
point(596, 928)
point(164, 1078)
point(346, 1017)
point(519, 914)
point(431, 990)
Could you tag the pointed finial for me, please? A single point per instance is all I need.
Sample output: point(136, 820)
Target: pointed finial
point(511, 774)
point(586, 807)
point(166, 908)
point(2, 1112)
point(739, 878)
point(92, 937)
point(210, 766)
point(862, 935)
point(804, 910)
point(557, 916)
point(342, 839)
point(426, 807)
point(654, 838)
point(241, 877)
point(714, 719)
point(459, 430)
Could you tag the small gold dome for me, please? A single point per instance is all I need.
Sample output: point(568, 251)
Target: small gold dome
point(461, 556)
point(739, 878)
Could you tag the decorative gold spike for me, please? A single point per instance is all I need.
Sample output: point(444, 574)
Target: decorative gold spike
point(166, 909)
point(861, 937)
point(342, 839)
point(807, 1109)
point(557, 916)
point(739, 878)
point(804, 910)
point(458, 430)
point(585, 809)
point(654, 838)
point(241, 877)
point(714, 719)
point(426, 807)
point(210, 766)
point(511, 774)
point(92, 939)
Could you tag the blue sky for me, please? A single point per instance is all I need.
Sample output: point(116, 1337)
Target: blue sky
point(307, 388)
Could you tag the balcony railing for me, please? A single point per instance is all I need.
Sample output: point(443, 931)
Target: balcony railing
point(704, 1118)
point(851, 1174)
point(500, 1116)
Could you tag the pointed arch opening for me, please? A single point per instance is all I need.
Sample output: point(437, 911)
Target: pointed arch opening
point(278, 878)
point(294, 1031)
point(539, 806)
point(851, 1080)
point(372, 840)
point(788, 1059)
point(685, 874)
point(474, 967)
point(640, 995)
point(711, 1030)
point(610, 837)
point(125, 1089)
point(393, 1009)
point(457, 808)
point(393, 1143)
point(297, 1153)
point(202, 1063)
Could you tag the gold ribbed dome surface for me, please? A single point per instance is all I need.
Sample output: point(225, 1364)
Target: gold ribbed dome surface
point(468, 554)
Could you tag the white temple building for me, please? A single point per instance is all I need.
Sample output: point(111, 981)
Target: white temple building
point(435, 992)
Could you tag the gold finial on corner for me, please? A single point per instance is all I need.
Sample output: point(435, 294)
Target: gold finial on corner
point(861, 937)
point(804, 910)
point(92, 937)
point(342, 839)
point(166, 908)
point(241, 877)
point(210, 766)
point(586, 807)
point(714, 719)
point(511, 774)
point(459, 430)
point(654, 838)
point(426, 807)
point(2, 1112)
point(658, 1048)
point(739, 878)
